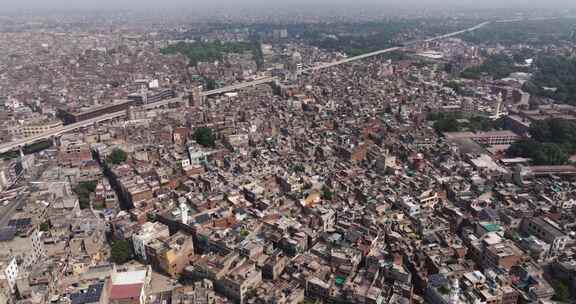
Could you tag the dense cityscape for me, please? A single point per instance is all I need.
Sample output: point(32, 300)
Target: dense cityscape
point(288, 156)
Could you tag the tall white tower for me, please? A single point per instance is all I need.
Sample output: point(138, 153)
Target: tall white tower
point(498, 106)
point(184, 212)
point(144, 93)
point(454, 292)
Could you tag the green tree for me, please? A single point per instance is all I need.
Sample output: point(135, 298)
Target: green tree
point(121, 252)
point(182, 187)
point(521, 148)
point(497, 66)
point(553, 140)
point(561, 291)
point(326, 193)
point(205, 137)
point(480, 123)
point(540, 153)
point(559, 131)
point(210, 84)
point(45, 226)
point(554, 72)
point(444, 289)
point(83, 190)
point(550, 154)
point(117, 156)
point(207, 51)
point(298, 168)
point(446, 124)
point(454, 85)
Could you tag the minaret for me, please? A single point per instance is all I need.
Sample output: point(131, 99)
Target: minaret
point(184, 211)
point(144, 94)
point(498, 105)
point(22, 159)
point(454, 292)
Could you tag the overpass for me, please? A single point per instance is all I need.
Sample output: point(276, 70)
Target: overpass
point(229, 88)
point(20, 143)
point(239, 86)
point(392, 49)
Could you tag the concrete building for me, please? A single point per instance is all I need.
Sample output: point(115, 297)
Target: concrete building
point(546, 230)
point(240, 281)
point(148, 232)
point(487, 138)
point(128, 287)
point(10, 271)
point(171, 255)
point(38, 128)
point(73, 116)
point(502, 255)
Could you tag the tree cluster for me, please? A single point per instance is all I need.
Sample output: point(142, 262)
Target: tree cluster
point(121, 252)
point(497, 66)
point(363, 37)
point(83, 190)
point(29, 149)
point(448, 122)
point(326, 193)
point(555, 78)
point(551, 143)
point(204, 137)
point(117, 156)
point(208, 51)
point(532, 32)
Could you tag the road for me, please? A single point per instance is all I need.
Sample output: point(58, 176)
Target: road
point(212, 92)
point(239, 86)
point(392, 49)
point(13, 145)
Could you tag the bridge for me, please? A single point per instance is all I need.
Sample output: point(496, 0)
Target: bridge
point(239, 86)
point(392, 49)
point(229, 88)
point(19, 144)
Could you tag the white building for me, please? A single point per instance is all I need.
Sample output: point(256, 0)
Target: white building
point(38, 250)
point(409, 205)
point(149, 232)
point(10, 273)
point(197, 156)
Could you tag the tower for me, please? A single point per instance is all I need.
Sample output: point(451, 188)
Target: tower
point(454, 292)
point(498, 105)
point(184, 212)
point(144, 94)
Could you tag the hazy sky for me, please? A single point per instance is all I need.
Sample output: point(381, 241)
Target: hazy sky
point(189, 4)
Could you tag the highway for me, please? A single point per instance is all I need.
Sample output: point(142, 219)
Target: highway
point(240, 86)
point(71, 127)
point(392, 49)
point(212, 92)
point(20, 143)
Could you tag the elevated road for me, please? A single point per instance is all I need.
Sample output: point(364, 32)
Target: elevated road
point(20, 143)
point(239, 86)
point(392, 49)
point(229, 88)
